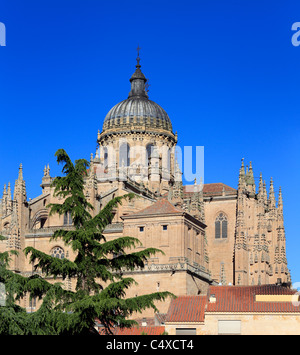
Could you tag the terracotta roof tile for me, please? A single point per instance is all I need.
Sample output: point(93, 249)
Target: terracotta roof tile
point(161, 317)
point(229, 299)
point(187, 309)
point(161, 206)
point(242, 299)
point(213, 189)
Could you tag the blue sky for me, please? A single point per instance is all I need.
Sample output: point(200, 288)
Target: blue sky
point(225, 71)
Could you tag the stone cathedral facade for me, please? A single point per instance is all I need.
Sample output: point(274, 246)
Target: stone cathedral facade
point(210, 233)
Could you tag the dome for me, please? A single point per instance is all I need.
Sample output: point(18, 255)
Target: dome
point(137, 110)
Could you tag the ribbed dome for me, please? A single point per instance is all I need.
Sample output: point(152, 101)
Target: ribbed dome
point(137, 110)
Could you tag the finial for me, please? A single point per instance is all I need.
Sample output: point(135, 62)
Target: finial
point(138, 80)
point(242, 169)
point(9, 191)
point(223, 191)
point(261, 186)
point(271, 185)
point(138, 57)
point(271, 194)
point(242, 172)
point(21, 172)
point(47, 171)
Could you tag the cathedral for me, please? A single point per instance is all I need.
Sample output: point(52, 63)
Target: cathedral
point(210, 234)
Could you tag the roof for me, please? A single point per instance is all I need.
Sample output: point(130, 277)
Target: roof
point(228, 299)
point(161, 317)
point(187, 309)
point(152, 330)
point(162, 206)
point(243, 299)
point(213, 189)
point(137, 109)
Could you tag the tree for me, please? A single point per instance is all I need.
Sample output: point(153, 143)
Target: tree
point(100, 286)
point(14, 320)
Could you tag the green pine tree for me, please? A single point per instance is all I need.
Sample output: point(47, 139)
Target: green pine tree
point(100, 286)
point(14, 320)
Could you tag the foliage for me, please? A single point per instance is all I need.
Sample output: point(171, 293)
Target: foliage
point(98, 269)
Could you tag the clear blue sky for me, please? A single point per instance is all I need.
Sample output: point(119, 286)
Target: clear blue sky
point(225, 71)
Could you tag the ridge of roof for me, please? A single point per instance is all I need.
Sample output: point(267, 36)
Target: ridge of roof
point(161, 206)
point(211, 188)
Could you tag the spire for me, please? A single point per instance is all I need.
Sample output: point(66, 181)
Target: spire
point(201, 201)
point(265, 193)
point(195, 196)
point(249, 176)
point(177, 189)
point(9, 191)
point(20, 177)
point(242, 174)
point(8, 201)
point(138, 80)
point(242, 169)
point(260, 188)
point(195, 202)
point(138, 56)
point(20, 189)
point(272, 203)
point(46, 180)
point(4, 201)
point(249, 180)
point(280, 202)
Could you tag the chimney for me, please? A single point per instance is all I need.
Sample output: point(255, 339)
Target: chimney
point(212, 298)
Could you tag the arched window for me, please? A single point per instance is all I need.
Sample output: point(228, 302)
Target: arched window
point(58, 252)
point(221, 226)
point(39, 219)
point(151, 152)
point(32, 302)
point(105, 157)
point(124, 155)
point(166, 158)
